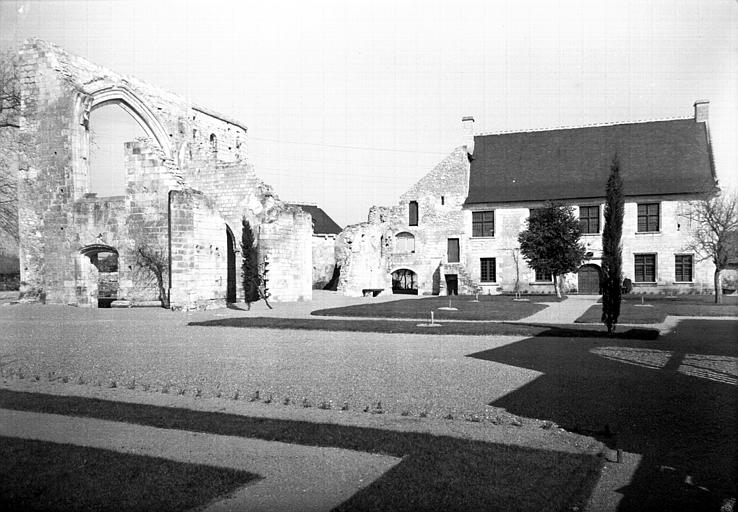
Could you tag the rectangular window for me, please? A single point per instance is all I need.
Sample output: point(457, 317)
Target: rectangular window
point(645, 268)
point(453, 250)
point(589, 219)
point(648, 217)
point(488, 270)
point(483, 223)
point(683, 267)
point(413, 221)
point(543, 275)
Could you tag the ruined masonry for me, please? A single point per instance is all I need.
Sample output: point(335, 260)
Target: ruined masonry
point(189, 184)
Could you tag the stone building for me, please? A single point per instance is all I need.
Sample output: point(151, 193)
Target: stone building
point(186, 186)
point(465, 215)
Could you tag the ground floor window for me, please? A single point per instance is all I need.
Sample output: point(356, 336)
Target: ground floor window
point(544, 275)
point(645, 268)
point(683, 267)
point(488, 270)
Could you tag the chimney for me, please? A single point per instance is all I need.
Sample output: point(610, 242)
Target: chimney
point(467, 125)
point(701, 108)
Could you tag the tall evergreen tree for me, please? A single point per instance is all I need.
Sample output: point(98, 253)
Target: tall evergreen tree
point(612, 255)
point(250, 264)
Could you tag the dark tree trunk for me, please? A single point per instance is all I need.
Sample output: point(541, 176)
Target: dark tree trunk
point(718, 287)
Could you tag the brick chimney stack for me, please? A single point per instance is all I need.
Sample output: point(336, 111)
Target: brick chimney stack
point(467, 124)
point(701, 109)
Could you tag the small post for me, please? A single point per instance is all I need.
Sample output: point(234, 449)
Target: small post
point(431, 317)
point(620, 455)
point(642, 302)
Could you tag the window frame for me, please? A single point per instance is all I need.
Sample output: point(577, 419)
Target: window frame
point(486, 270)
point(413, 213)
point(648, 217)
point(678, 264)
point(543, 273)
point(588, 219)
point(483, 222)
point(643, 264)
point(408, 236)
point(448, 250)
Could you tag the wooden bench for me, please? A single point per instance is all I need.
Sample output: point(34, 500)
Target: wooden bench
point(372, 292)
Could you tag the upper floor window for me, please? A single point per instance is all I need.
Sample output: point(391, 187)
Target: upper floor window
point(405, 243)
point(544, 275)
point(213, 144)
point(483, 223)
point(453, 250)
point(488, 270)
point(589, 219)
point(683, 267)
point(413, 220)
point(648, 217)
point(645, 268)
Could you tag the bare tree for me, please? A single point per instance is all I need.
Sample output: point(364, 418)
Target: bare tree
point(714, 223)
point(156, 261)
point(10, 103)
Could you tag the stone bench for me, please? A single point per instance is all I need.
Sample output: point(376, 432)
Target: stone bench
point(371, 292)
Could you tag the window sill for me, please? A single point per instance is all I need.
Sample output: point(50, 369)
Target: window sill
point(644, 283)
point(683, 282)
point(648, 232)
point(591, 234)
point(542, 283)
point(488, 283)
point(483, 237)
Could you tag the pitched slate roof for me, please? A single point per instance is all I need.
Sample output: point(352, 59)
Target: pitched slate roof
point(322, 223)
point(656, 157)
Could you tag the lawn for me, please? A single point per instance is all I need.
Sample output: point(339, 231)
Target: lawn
point(489, 307)
point(653, 309)
point(38, 475)
point(436, 472)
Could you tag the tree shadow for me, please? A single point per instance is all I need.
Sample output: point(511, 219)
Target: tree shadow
point(672, 400)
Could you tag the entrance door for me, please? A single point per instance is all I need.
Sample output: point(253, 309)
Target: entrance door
point(231, 272)
point(589, 280)
point(452, 284)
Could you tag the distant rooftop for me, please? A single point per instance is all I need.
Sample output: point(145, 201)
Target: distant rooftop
point(322, 223)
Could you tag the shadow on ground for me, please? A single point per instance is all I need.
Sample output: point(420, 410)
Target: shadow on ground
point(411, 327)
point(436, 472)
point(672, 400)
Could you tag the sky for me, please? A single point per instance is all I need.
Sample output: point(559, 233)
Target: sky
point(350, 103)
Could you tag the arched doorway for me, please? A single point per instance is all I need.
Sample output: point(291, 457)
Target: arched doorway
point(102, 274)
point(404, 281)
point(231, 262)
point(589, 280)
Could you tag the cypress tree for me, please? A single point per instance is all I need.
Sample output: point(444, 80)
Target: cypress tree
point(612, 256)
point(250, 265)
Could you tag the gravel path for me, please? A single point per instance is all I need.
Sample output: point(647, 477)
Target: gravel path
point(155, 349)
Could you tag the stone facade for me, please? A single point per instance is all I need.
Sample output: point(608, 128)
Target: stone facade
point(489, 261)
point(189, 183)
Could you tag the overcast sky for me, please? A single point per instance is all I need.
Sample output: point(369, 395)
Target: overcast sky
point(349, 103)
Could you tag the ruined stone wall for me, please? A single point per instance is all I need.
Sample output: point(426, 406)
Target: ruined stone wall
point(281, 241)
point(440, 196)
point(324, 260)
point(58, 218)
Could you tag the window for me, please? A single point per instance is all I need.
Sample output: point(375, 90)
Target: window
point(443, 200)
point(589, 219)
point(213, 144)
point(683, 267)
point(483, 223)
point(648, 217)
point(544, 275)
point(645, 268)
point(405, 243)
point(413, 221)
point(453, 250)
point(488, 270)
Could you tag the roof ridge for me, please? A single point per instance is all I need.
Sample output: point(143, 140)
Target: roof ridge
point(590, 125)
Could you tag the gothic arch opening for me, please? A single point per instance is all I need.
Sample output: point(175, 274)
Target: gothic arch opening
point(404, 281)
point(110, 127)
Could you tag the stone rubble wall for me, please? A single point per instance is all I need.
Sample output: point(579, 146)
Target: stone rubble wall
point(324, 260)
point(58, 218)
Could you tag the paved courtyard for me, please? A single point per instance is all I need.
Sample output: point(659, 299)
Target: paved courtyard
point(669, 402)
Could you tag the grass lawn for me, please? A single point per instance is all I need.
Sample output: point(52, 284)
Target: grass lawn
point(411, 327)
point(38, 475)
point(653, 309)
point(489, 307)
point(436, 473)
